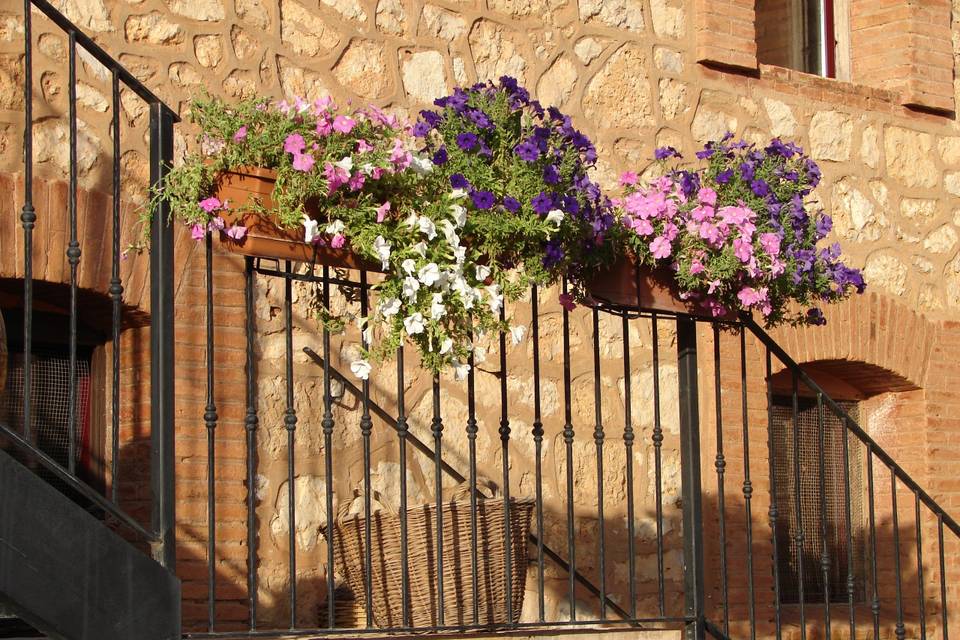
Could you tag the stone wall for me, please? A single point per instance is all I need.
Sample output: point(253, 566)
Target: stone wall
point(627, 71)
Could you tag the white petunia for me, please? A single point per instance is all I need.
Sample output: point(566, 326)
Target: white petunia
point(460, 369)
point(420, 249)
point(460, 255)
point(367, 335)
point(346, 163)
point(334, 227)
point(450, 233)
point(412, 220)
point(390, 307)
point(429, 273)
point(458, 194)
point(360, 368)
point(413, 324)
point(446, 345)
point(382, 247)
point(367, 168)
point(496, 300)
point(427, 227)
point(517, 333)
point(410, 288)
point(309, 229)
point(459, 214)
point(437, 308)
point(482, 272)
point(421, 166)
point(409, 266)
point(555, 216)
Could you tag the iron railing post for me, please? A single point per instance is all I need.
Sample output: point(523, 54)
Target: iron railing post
point(162, 344)
point(690, 479)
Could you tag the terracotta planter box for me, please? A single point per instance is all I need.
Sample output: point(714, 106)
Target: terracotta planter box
point(632, 286)
point(266, 239)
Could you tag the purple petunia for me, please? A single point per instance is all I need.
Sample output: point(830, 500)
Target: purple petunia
point(511, 204)
point(663, 153)
point(527, 150)
point(421, 129)
point(550, 174)
point(542, 203)
point(467, 141)
point(457, 181)
point(482, 199)
point(552, 254)
point(824, 225)
point(440, 157)
point(479, 118)
point(760, 188)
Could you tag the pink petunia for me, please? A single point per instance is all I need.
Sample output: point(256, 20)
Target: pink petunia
point(216, 224)
point(628, 178)
point(363, 146)
point(241, 134)
point(696, 267)
point(336, 176)
point(743, 250)
point(712, 286)
point(344, 124)
point(701, 213)
point(356, 181)
point(566, 301)
point(324, 126)
point(236, 232)
point(337, 241)
point(399, 156)
point(749, 296)
point(322, 104)
point(303, 162)
point(707, 196)
point(294, 144)
point(770, 243)
point(660, 247)
point(382, 211)
point(198, 232)
point(711, 233)
point(210, 204)
point(643, 227)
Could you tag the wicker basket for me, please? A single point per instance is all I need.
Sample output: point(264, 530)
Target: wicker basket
point(458, 591)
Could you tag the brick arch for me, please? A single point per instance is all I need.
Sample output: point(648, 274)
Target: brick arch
point(52, 234)
point(872, 336)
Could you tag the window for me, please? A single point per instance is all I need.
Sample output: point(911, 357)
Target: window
point(798, 34)
point(834, 503)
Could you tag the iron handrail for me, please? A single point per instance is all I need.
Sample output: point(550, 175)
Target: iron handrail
point(101, 56)
point(852, 425)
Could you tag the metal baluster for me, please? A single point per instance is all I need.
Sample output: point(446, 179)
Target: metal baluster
point(73, 254)
point(568, 435)
point(162, 339)
point(720, 465)
point(798, 536)
point(366, 428)
point(657, 470)
point(28, 219)
point(250, 424)
point(825, 549)
point(598, 437)
point(290, 424)
point(538, 446)
point(772, 512)
point(691, 488)
point(505, 445)
point(327, 425)
point(923, 613)
point(402, 432)
point(437, 429)
point(747, 483)
point(901, 631)
point(472, 443)
point(851, 583)
point(210, 418)
point(943, 579)
point(116, 295)
point(628, 438)
point(875, 603)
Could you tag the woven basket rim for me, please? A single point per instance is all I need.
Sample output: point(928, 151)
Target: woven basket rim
point(427, 506)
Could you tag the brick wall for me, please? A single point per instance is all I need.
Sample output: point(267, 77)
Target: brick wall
point(726, 33)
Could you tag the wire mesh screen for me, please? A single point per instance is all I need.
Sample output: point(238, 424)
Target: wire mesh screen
point(51, 402)
point(841, 536)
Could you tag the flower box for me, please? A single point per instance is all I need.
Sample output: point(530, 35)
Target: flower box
point(628, 285)
point(243, 186)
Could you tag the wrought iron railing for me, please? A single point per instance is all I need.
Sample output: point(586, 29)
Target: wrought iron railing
point(84, 253)
point(625, 532)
